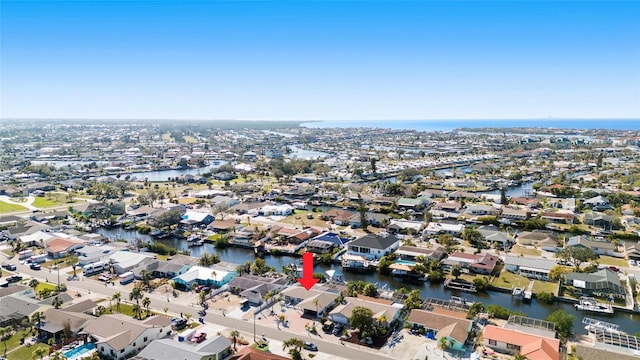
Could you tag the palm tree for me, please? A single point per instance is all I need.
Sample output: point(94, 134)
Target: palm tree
point(146, 302)
point(33, 283)
point(5, 335)
point(56, 302)
point(442, 344)
point(117, 297)
point(234, 335)
point(294, 345)
point(315, 303)
point(136, 311)
point(135, 294)
point(40, 352)
point(100, 310)
point(72, 260)
point(519, 356)
point(146, 278)
point(57, 355)
point(37, 318)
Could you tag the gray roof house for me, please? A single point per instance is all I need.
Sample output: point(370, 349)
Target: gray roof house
point(534, 268)
point(373, 246)
point(214, 348)
point(493, 235)
point(600, 283)
point(598, 247)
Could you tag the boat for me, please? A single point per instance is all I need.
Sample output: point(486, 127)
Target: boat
point(527, 296)
point(460, 285)
point(460, 300)
point(591, 305)
point(518, 293)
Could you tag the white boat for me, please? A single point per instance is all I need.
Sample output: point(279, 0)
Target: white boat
point(591, 305)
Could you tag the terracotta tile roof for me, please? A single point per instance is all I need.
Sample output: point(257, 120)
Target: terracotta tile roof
point(59, 244)
point(532, 346)
point(252, 354)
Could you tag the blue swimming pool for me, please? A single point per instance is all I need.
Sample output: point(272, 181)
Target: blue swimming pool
point(405, 262)
point(79, 351)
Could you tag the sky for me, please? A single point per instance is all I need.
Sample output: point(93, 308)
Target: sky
point(319, 60)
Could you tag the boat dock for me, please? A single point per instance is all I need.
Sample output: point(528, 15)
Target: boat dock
point(460, 285)
point(592, 305)
point(528, 294)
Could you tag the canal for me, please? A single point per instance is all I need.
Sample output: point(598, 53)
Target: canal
point(628, 322)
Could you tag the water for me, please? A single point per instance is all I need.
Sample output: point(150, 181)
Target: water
point(449, 125)
point(63, 163)
point(300, 153)
point(628, 322)
point(164, 175)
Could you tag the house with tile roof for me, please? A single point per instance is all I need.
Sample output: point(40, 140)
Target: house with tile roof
point(476, 263)
point(119, 336)
point(306, 300)
point(509, 341)
point(249, 353)
point(440, 325)
point(61, 247)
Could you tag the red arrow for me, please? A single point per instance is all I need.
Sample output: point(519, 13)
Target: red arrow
point(307, 280)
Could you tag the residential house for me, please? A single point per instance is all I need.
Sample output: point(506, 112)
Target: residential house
point(558, 217)
point(373, 219)
point(276, 210)
point(493, 236)
point(533, 268)
point(600, 220)
point(455, 330)
point(61, 247)
point(597, 203)
point(16, 304)
point(249, 353)
point(416, 204)
point(248, 208)
point(203, 276)
point(120, 336)
point(632, 252)
point(602, 283)
point(514, 214)
point(436, 228)
point(373, 246)
point(254, 288)
point(124, 261)
point(476, 263)
point(196, 218)
point(176, 265)
point(382, 310)
point(313, 302)
point(338, 216)
point(411, 253)
point(546, 240)
point(91, 254)
point(481, 210)
point(510, 341)
point(404, 226)
point(598, 247)
point(55, 322)
point(213, 348)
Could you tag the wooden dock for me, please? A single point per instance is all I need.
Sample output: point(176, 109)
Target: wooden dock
point(528, 294)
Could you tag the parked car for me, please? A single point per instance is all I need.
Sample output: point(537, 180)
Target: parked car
point(337, 330)
point(179, 324)
point(310, 346)
point(328, 326)
point(198, 338)
point(613, 268)
point(632, 263)
point(11, 267)
point(14, 278)
point(35, 266)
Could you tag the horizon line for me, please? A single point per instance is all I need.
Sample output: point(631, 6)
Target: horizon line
point(321, 120)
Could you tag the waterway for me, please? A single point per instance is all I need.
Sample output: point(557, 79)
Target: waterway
point(627, 322)
point(164, 175)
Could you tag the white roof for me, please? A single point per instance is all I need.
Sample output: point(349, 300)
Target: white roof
point(195, 215)
point(127, 258)
point(203, 273)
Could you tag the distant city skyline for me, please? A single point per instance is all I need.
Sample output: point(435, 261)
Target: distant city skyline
point(320, 60)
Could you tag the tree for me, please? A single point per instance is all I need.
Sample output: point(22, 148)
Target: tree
point(136, 311)
point(207, 260)
point(576, 255)
point(361, 318)
point(36, 318)
point(146, 302)
point(503, 197)
point(39, 352)
point(57, 355)
point(442, 344)
point(234, 334)
point(72, 260)
point(473, 236)
point(519, 356)
point(117, 297)
point(413, 300)
point(475, 309)
point(5, 335)
point(564, 323)
point(557, 271)
point(135, 294)
point(146, 278)
point(56, 302)
point(295, 346)
point(362, 210)
point(455, 271)
point(33, 283)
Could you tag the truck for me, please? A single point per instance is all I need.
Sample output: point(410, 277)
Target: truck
point(37, 259)
point(25, 254)
point(94, 268)
point(126, 278)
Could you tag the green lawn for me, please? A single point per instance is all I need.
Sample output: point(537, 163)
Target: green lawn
point(24, 352)
point(509, 280)
point(125, 309)
point(544, 286)
point(608, 260)
point(42, 202)
point(14, 341)
point(6, 207)
point(43, 285)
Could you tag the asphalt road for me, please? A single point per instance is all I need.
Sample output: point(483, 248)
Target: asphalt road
point(159, 302)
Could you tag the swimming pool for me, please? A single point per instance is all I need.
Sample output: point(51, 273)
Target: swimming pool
point(79, 351)
point(405, 262)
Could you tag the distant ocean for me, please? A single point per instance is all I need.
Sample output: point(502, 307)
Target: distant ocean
point(449, 125)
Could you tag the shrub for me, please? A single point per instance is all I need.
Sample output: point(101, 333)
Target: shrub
point(546, 297)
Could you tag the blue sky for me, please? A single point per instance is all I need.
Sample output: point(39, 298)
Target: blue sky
point(320, 59)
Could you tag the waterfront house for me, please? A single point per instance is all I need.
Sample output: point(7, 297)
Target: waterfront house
point(200, 275)
point(243, 238)
point(514, 214)
point(381, 310)
point(333, 238)
point(411, 253)
point(313, 302)
point(55, 322)
point(118, 336)
point(223, 226)
point(455, 330)
point(476, 263)
point(602, 283)
point(493, 236)
point(632, 252)
point(598, 247)
point(533, 268)
point(373, 219)
point(338, 216)
point(212, 348)
point(196, 218)
point(510, 341)
point(373, 246)
point(276, 210)
point(319, 246)
point(416, 204)
point(566, 204)
point(459, 195)
point(558, 217)
point(175, 265)
point(547, 240)
point(247, 208)
point(598, 219)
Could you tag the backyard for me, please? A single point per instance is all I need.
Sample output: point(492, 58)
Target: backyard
point(6, 207)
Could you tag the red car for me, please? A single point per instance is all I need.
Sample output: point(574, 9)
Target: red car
point(198, 338)
point(613, 268)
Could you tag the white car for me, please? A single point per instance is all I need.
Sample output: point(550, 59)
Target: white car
point(632, 263)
